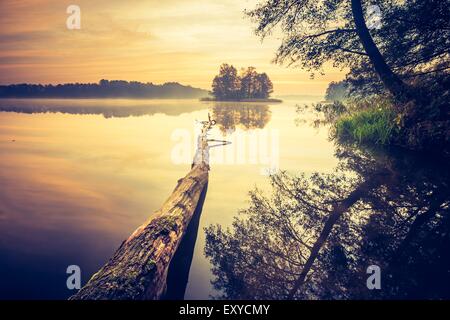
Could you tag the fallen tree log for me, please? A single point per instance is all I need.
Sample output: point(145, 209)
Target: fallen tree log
point(138, 269)
point(178, 273)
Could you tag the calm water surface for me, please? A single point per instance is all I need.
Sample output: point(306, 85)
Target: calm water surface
point(78, 176)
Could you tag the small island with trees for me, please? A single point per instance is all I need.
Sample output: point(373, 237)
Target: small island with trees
point(248, 86)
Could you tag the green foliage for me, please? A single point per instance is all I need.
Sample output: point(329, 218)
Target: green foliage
point(372, 121)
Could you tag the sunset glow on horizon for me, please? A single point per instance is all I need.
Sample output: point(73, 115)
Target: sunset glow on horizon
point(147, 41)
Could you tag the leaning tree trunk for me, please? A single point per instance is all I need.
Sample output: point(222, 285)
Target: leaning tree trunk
point(138, 269)
point(339, 209)
point(391, 81)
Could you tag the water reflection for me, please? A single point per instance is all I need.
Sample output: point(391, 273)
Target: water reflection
point(178, 273)
point(314, 236)
point(246, 116)
point(75, 186)
point(109, 108)
point(319, 114)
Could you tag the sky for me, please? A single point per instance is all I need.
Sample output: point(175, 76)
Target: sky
point(142, 40)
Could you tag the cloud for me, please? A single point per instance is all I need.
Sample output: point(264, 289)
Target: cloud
point(174, 40)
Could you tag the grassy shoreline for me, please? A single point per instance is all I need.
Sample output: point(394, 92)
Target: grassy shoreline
point(375, 124)
point(377, 120)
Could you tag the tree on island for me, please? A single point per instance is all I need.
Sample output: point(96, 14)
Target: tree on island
point(228, 85)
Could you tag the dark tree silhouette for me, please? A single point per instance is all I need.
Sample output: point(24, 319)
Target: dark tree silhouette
point(265, 86)
point(249, 83)
point(391, 80)
point(408, 42)
point(315, 236)
point(228, 85)
point(104, 89)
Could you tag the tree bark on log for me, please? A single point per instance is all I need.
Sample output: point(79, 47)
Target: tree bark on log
point(138, 269)
point(178, 273)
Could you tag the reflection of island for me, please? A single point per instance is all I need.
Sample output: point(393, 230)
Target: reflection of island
point(106, 107)
point(230, 115)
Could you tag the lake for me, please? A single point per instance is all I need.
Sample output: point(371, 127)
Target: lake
point(79, 176)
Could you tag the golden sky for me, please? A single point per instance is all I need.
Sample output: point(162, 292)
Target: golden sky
point(142, 40)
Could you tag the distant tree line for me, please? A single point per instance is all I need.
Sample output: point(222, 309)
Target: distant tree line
point(229, 85)
point(337, 91)
point(103, 89)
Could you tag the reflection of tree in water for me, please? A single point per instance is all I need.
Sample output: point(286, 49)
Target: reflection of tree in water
point(321, 114)
point(108, 111)
point(247, 116)
point(315, 236)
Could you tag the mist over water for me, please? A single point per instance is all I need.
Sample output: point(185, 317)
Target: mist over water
point(78, 176)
